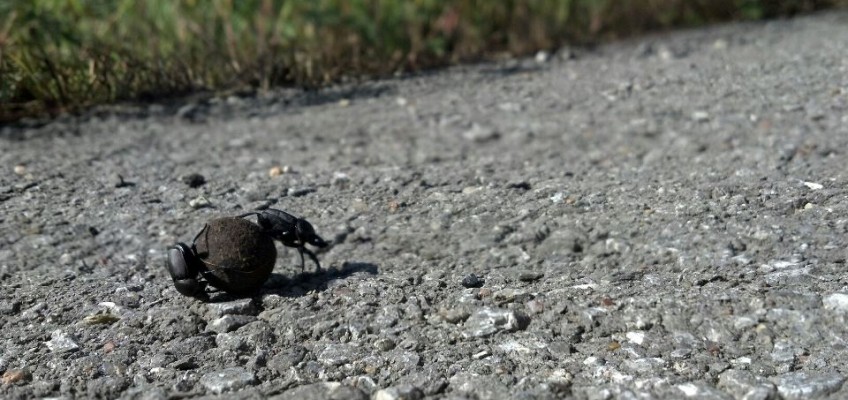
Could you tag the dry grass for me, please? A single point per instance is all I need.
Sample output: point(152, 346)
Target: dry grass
point(65, 55)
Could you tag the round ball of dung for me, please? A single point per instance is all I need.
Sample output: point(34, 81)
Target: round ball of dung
point(237, 253)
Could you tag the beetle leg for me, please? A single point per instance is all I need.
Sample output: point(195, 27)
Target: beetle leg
point(198, 289)
point(300, 250)
point(202, 294)
point(313, 257)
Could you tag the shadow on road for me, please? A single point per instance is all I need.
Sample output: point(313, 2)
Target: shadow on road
point(301, 284)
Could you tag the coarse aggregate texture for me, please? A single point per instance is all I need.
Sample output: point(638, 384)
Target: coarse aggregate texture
point(237, 253)
point(661, 218)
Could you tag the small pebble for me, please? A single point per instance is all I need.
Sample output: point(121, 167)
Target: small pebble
point(471, 281)
point(636, 337)
point(384, 344)
point(109, 346)
point(229, 323)
point(321, 390)
point(837, 302)
point(235, 307)
point(187, 111)
point(227, 379)
point(8, 307)
point(194, 180)
point(471, 189)
point(481, 134)
point(60, 342)
point(700, 116)
point(359, 205)
point(522, 185)
point(814, 185)
point(199, 202)
point(65, 259)
point(184, 364)
point(558, 197)
point(409, 344)
point(808, 385)
point(119, 182)
point(530, 276)
point(20, 169)
point(486, 321)
point(276, 171)
point(101, 319)
point(404, 392)
point(366, 383)
point(16, 375)
point(301, 191)
point(511, 107)
point(338, 354)
point(700, 390)
point(454, 315)
point(535, 306)
point(340, 179)
point(508, 295)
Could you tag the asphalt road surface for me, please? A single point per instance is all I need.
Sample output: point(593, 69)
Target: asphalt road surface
point(660, 218)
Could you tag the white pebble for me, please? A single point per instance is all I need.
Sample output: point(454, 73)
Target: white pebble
point(813, 185)
point(199, 202)
point(837, 302)
point(689, 389)
point(558, 197)
point(636, 337)
point(700, 116)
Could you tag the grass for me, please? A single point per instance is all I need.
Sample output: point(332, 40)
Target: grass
point(65, 55)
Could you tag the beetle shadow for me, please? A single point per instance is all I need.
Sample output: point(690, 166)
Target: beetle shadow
point(299, 285)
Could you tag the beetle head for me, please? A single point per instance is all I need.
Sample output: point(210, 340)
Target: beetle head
point(306, 232)
point(184, 266)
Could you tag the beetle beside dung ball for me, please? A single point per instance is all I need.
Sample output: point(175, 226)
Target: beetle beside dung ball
point(291, 231)
point(236, 255)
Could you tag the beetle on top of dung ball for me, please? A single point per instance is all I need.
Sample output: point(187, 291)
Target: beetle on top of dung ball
point(236, 255)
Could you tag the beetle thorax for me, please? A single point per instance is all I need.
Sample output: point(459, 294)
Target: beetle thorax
point(304, 229)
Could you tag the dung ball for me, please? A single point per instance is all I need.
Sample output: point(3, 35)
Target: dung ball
point(238, 254)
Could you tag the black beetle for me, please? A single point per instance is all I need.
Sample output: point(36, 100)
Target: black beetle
point(233, 254)
point(291, 231)
point(185, 266)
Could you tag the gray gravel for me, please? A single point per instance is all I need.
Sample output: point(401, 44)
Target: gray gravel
point(660, 218)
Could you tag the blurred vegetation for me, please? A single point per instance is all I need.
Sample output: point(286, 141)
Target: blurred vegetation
point(60, 55)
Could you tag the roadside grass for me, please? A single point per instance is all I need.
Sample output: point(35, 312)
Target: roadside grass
point(65, 55)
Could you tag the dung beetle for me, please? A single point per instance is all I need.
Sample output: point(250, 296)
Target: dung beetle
point(291, 231)
point(231, 254)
